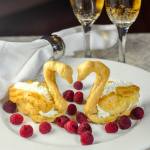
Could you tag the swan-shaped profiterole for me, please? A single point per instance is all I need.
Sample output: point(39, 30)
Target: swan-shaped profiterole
point(101, 108)
point(42, 101)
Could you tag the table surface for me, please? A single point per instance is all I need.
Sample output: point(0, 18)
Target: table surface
point(137, 49)
point(137, 54)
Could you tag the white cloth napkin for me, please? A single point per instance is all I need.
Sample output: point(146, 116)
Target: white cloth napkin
point(22, 60)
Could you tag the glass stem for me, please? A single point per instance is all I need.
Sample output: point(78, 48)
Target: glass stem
point(122, 33)
point(87, 29)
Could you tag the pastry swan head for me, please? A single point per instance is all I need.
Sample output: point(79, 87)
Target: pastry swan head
point(102, 74)
point(65, 71)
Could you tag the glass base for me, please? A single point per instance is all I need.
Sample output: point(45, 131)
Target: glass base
point(111, 53)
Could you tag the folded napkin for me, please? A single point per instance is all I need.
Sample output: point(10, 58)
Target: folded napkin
point(23, 60)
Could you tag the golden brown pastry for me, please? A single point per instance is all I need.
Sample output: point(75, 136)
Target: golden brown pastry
point(100, 107)
point(42, 101)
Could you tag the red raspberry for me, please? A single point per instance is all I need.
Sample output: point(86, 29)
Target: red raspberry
point(83, 127)
point(26, 131)
point(78, 85)
point(9, 107)
point(124, 122)
point(137, 113)
point(45, 127)
point(68, 95)
point(16, 119)
point(71, 126)
point(111, 127)
point(86, 138)
point(61, 121)
point(72, 109)
point(81, 117)
point(78, 97)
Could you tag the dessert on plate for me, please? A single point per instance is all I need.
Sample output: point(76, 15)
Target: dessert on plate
point(42, 101)
point(107, 100)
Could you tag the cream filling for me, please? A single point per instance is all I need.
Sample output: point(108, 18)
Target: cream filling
point(34, 87)
point(101, 113)
point(50, 113)
point(110, 87)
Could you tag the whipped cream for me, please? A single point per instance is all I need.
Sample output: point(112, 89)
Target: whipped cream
point(33, 87)
point(50, 113)
point(111, 86)
point(101, 113)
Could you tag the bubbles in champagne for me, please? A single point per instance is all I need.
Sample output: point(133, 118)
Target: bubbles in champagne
point(123, 11)
point(87, 11)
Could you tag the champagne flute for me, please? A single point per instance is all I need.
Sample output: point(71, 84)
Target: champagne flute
point(87, 11)
point(122, 13)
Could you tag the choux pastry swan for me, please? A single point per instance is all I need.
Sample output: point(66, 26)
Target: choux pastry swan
point(103, 106)
point(42, 101)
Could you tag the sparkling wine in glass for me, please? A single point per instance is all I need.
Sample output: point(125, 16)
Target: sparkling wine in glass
point(87, 11)
point(122, 13)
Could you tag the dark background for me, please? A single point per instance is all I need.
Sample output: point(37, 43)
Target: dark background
point(39, 17)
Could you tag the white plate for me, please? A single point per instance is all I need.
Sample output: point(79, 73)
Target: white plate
point(136, 138)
